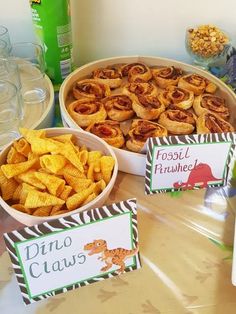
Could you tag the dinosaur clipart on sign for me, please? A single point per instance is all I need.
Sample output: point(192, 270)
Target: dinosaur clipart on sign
point(116, 256)
point(200, 175)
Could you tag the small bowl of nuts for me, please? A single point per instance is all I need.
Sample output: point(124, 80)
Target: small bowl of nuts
point(207, 45)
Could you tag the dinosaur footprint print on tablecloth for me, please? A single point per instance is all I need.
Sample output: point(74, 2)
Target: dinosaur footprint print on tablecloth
point(116, 256)
point(200, 175)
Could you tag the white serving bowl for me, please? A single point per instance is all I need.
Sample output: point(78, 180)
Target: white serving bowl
point(128, 161)
point(92, 142)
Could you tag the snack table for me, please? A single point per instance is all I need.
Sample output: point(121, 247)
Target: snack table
point(186, 253)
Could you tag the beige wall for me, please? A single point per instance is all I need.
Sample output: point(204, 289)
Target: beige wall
point(104, 28)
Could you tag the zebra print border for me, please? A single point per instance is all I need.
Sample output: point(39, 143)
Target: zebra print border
point(188, 139)
point(79, 219)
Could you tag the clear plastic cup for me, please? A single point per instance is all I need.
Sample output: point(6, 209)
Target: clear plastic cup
point(10, 112)
point(4, 36)
point(4, 53)
point(9, 71)
point(30, 60)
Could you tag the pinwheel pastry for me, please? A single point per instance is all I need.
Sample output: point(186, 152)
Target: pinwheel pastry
point(86, 112)
point(209, 122)
point(167, 76)
point(90, 89)
point(109, 131)
point(178, 121)
point(197, 84)
point(147, 107)
point(118, 107)
point(212, 103)
point(110, 76)
point(140, 131)
point(145, 88)
point(136, 72)
point(180, 97)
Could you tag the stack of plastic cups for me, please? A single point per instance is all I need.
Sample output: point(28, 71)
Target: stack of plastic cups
point(3, 49)
point(30, 60)
point(9, 71)
point(9, 112)
point(23, 65)
point(11, 103)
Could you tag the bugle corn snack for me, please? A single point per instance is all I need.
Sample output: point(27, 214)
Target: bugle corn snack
point(48, 176)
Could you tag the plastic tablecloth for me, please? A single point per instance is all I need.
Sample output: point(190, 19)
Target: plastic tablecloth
point(186, 253)
point(186, 246)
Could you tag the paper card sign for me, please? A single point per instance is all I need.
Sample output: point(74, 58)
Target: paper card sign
point(189, 162)
point(74, 251)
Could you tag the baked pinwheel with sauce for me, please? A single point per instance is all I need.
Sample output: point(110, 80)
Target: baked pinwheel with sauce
point(212, 123)
point(109, 131)
point(178, 121)
point(212, 103)
point(118, 107)
point(140, 131)
point(90, 89)
point(147, 107)
point(180, 97)
point(110, 76)
point(136, 72)
point(167, 76)
point(145, 88)
point(161, 100)
point(197, 84)
point(86, 112)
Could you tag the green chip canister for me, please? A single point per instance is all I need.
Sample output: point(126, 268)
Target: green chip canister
point(52, 25)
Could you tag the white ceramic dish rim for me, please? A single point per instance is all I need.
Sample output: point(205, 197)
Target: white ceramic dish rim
point(8, 208)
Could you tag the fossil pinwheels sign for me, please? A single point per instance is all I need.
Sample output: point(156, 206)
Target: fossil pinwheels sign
point(71, 252)
point(189, 162)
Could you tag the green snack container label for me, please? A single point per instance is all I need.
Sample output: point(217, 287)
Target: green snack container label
point(52, 26)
